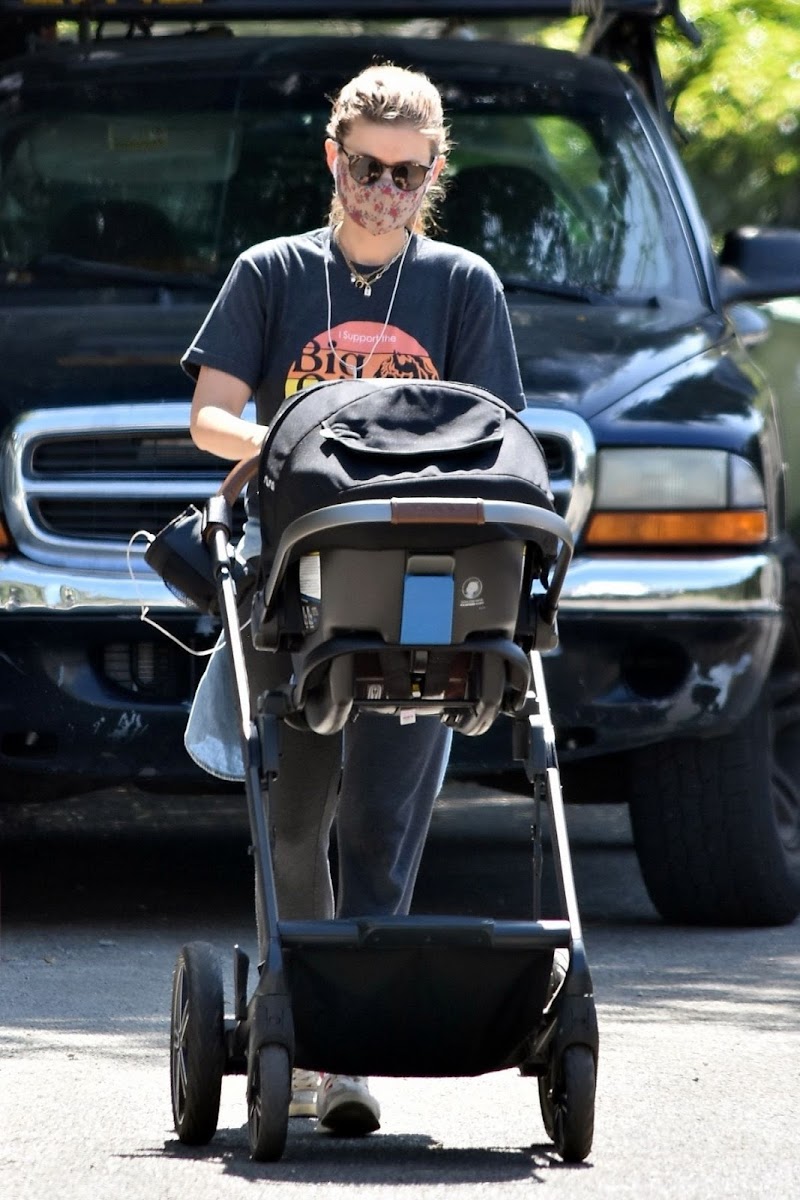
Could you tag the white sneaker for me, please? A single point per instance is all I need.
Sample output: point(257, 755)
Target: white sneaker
point(346, 1106)
point(305, 1086)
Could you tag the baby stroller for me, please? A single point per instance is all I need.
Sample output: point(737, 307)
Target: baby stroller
point(435, 497)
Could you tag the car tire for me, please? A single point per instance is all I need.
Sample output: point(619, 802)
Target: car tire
point(716, 826)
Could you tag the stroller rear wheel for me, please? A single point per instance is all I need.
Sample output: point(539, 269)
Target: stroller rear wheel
point(268, 1097)
point(197, 1043)
point(566, 1097)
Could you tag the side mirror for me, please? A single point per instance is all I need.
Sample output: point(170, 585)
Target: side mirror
point(759, 264)
point(751, 324)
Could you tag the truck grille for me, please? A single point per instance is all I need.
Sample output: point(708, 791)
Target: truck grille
point(95, 457)
point(557, 457)
point(569, 451)
point(149, 669)
point(81, 520)
point(77, 483)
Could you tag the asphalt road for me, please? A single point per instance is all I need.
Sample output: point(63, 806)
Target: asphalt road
point(699, 1080)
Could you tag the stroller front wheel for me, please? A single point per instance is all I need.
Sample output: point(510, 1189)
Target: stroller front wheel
point(566, 1097)
point(268, 1097)
point(197, 1043)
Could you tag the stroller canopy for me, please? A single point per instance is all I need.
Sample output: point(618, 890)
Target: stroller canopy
point(379, 439)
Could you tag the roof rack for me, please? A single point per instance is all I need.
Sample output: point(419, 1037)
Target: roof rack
point(623, 31)
point(74, 10)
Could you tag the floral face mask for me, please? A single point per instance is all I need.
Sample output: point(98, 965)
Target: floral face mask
point(379, 207)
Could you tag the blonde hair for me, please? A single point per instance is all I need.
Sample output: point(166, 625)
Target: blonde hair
point(384, 92)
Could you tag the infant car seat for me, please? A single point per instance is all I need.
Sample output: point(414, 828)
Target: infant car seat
point(386, 571)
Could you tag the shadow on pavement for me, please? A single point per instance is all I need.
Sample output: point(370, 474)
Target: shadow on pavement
point(407, 1160)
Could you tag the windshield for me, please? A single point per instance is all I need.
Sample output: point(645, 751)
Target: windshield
point(133, 168)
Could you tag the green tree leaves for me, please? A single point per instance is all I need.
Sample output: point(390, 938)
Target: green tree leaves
point(737, 101)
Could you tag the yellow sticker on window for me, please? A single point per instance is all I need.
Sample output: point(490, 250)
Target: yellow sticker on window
point(139, 140)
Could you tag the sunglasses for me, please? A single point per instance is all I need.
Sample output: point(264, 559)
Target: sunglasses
point(365, 169)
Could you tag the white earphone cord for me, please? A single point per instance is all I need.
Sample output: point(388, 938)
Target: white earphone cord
point(145, 608)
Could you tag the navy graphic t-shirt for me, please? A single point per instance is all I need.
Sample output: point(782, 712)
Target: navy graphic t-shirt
point(269, 324)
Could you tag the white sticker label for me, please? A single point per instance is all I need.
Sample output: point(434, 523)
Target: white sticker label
point(472, 592)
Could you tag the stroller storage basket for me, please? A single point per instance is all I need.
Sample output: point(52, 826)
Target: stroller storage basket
point(481, 985)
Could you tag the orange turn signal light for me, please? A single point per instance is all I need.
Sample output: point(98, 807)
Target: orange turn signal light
point(647, 530)
point(6, 540)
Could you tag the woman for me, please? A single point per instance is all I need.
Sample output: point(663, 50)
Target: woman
point(368, 296)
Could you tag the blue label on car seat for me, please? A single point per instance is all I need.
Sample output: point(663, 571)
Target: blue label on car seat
point(427, 610)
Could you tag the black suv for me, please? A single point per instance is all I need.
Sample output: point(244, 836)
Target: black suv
point(144, 145)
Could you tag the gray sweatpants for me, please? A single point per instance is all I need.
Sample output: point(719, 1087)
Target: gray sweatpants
point(376, 785)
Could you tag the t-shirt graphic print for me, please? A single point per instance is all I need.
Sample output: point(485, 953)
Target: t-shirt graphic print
point(352, 349)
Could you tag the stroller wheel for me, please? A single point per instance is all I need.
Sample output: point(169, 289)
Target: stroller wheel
point(197, 1043)
point(268, 1095)
point(566, 1097)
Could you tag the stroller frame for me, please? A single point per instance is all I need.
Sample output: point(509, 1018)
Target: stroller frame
point(545, 998)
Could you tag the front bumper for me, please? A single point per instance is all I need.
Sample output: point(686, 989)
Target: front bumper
point(718, 585)
point(94, 699)
point(649, 649)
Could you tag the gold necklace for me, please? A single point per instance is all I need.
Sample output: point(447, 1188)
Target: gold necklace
point(365, 280)
point(354, 368)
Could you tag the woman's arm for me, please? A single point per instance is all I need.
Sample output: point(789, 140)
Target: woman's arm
point(216, 423)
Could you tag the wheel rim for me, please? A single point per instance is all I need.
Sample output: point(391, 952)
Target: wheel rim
point(180, 1027)
point(558, 1105)
point(546, 1104)
point(786, 802)
point(785, 719)
point(254, 1107)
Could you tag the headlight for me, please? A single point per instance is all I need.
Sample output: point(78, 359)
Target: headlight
point(652, 497)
